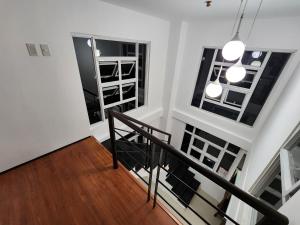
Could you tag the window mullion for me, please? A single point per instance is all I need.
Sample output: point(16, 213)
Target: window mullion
point(203, 153)
point(190, 145)
point(222, 153)
point(98, 79)
point(120, 80)
point(137, 74)
point(286, 177)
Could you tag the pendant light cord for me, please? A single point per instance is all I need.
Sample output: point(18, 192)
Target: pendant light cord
point(236, 18)
point(254, 20)
point(218, 77)
point(241, 17)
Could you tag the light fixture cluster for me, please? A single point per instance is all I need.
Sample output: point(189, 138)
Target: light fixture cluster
point(232, 51)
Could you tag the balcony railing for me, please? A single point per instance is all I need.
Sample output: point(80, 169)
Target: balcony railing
point(164, 149)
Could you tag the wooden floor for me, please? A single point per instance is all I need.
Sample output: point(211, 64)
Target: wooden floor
point(75, 185)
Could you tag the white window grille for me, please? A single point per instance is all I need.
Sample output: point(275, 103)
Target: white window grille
point(212, 152)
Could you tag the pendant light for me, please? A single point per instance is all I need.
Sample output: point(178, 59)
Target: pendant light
point(236, 72)
point(214, 89)
point(234, 49)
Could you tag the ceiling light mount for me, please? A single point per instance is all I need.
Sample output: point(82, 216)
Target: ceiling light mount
point(208, 3)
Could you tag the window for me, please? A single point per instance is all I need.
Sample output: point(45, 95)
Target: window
point(85, 60)
point(113, 75)
point(290, 165)
point(244, 100)
point(211, 152)
point(268, 189)
point(281, 179)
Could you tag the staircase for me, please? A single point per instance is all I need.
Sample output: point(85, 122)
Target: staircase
point(143, 149)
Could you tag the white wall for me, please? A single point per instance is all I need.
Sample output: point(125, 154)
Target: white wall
point(173, 47)
point(175, 53)
point(41, 99)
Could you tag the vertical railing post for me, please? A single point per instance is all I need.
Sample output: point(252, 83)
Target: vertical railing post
point(169, 139)
point(112, 138)
point(147, 151)
point(166, 153)
point(151, 157)
point(157, 175)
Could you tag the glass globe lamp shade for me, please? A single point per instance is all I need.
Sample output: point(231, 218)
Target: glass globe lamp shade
point(214, 89)
point(236, 73)
point(233, 49)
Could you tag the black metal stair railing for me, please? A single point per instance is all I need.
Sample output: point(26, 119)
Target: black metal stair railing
point(271, 216)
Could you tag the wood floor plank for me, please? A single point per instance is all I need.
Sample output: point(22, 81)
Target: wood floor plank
point(75, 186)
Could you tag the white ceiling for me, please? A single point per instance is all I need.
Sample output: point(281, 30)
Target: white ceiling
point(195, 9)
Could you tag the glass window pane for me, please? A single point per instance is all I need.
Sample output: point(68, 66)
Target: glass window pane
point(115, 48)
point(294, 155)
point(210, 137)
point(208, 162)
point(276, 184)
point(128, 69)
point(235, 98)
point(186, 142)
point(233, 148)
point(195, 154)
point(227, 161)
point(269, 190)
point(264, 86)
point(199, 144)
point(189, 128)
point(111, 94)
point(109, 71)
point(253, 57)
point(121, 108)
point(128, 106)
point(220, 110)
point(85, 60)
point(213, 151)
point(142, 73)
point(270, 198)
point(128, 90)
